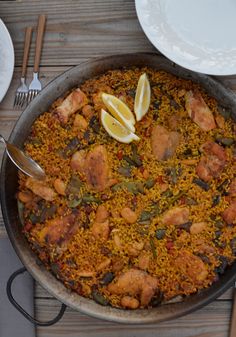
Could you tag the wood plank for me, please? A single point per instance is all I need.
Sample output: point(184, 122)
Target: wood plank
point(79, 30)
point(212, 320)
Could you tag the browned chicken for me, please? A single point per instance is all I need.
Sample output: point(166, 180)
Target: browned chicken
point(78, 161)
point(57, 230)
point(176, 216)
point(191, 266)
point(95, 166)
point(229, 214)
point(212, 162)
point(232, 188)
point(135, 282)
point(40, 188)
point(97, 170)
point(164, 143)
point(129, 302)
point(198, 111)
point(72, 103)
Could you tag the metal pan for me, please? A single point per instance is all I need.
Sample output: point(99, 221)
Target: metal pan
point(72, 78)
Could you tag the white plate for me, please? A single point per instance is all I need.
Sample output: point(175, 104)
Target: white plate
point(197, 34)
point(6, 60)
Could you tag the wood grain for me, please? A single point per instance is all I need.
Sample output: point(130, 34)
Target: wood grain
point(77, 30)
point(212, 320)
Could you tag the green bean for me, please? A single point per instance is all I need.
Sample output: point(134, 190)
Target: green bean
point(153, 248)
point(225, 141)
point(88, 199)
point(132, 187)
point(124, 171)
point(145, 215)
point(107, 278)
point(223, 185)
point(70, 148)
point(74, 202)
point(216, 200)
point(149, 183)
point(99, 298)
point(160, 233)
point(205, 186)
point(74, 185)
point(167, 194)
point(94, 124)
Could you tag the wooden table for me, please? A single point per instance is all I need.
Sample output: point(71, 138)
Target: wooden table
point(78, 30)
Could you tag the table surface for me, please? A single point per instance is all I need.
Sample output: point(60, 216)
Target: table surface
point(78, 30)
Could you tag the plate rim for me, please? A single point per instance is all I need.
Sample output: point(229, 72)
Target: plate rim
point(170, 55)
point(3, 26)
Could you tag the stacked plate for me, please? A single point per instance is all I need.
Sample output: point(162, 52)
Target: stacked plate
point(198, 35)
point(6, 60)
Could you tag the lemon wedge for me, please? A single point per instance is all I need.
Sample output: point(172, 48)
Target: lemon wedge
point(116, 130)
point(119, 110)
point(142, 97)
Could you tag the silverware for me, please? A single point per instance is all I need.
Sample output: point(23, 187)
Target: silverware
point(35, 86)
point(22, 91)
point(23, 162)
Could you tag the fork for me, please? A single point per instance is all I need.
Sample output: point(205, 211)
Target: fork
point(35, 86)
point(22, 91)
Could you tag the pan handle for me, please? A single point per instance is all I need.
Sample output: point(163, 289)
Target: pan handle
point(21, 310)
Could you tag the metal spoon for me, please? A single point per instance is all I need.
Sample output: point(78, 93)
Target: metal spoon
point(23, 162)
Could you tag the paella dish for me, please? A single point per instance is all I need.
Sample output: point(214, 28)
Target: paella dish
point(139, 202)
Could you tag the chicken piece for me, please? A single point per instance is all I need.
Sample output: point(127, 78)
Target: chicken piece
point(229, 214)
point(117, 264)
point(40, 188)
point(129, 302)
point(72, 103)
point(176, 216)
point(57, 230)
point(232, 188)
point(198, 227)
point(198, 111)
point(129, 215)
point(101, 230)
point(25, 196)
point(144, 260)
point(60, 186)
point(212, 162)
point(135, 282)
point(101, 214)
point(97, 170)
point(97, 101)
point(94, 166)
point(163, 142)
point(220, 121)
point(174, 121)
point(80, 123)
point(191, 266)
point(78, 161)
point(88, 111)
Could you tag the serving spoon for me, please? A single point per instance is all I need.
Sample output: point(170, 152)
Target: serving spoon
point(22, 161)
